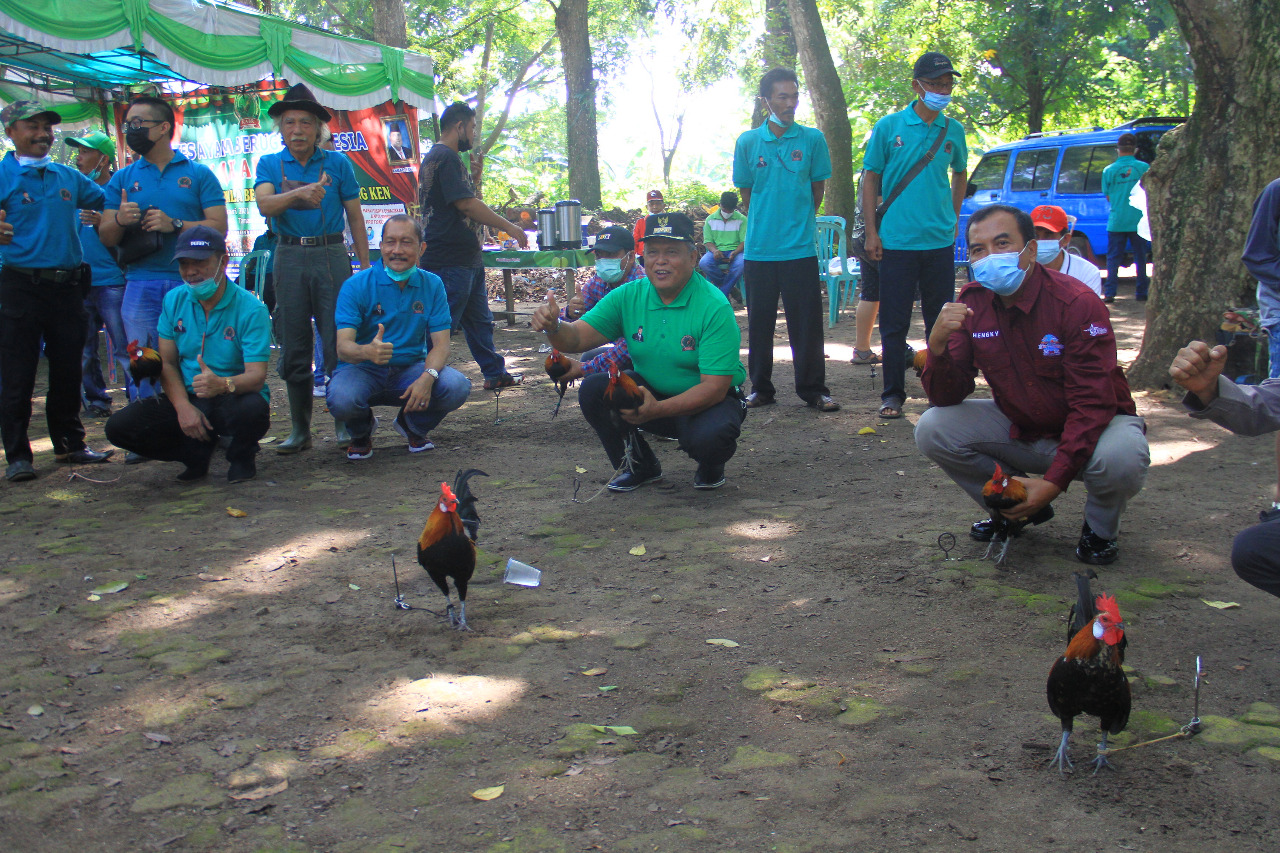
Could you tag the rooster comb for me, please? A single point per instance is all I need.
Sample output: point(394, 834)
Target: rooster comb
point(1107, 604)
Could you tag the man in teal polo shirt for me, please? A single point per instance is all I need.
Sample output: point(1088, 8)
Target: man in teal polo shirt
point(683, 341)
point(215, 339)
point(42, 289)
point(161, 192)
point(781, 168)
point(393, 342)
point(310, 195)
point(1118, 181)
point(915, 244)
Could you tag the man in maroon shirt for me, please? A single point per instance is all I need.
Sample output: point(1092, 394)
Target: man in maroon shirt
point(1061, 406)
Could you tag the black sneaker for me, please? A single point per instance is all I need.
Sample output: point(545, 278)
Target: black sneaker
point(985, 530)
point(242, 470)
point(708, 476)
point(194, 472)
point(1095, 550)
point(629, 481)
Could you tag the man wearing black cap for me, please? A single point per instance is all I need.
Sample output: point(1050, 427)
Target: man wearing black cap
point(915, 242)
point(42, 288)
point(615, 266)
point(684, 342)
point(309, 194)
point(215, 339)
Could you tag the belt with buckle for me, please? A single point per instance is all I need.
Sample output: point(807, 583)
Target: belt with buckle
point(57, 276)
point(324, 240)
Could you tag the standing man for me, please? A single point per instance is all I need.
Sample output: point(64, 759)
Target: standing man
point(310, 195)
point(1060, 405)
point(915, 244)
point(96, 159)
point(1053, 238)
point(724, 236)
point(451, 216)
point(42, 288)
point(215, 339)
point(655, 203)
point(1118, 181)
point(161, 192)
point(781, 168)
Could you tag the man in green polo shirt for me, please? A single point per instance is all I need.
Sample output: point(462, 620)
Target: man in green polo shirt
point(684, 342)
point(914, 243)
point(1118, 181)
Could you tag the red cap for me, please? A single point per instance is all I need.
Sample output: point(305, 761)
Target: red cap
point(1051, 217)
point(654, 194)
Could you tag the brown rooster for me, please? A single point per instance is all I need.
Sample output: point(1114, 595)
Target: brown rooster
point(447, 546)
point(557, 366)
point(622, 392)
point(1004, 492)
point(1088, 678)
point(144, 363)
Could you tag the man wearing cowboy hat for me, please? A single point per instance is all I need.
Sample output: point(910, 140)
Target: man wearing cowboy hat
point(42, 288)
point(310, 194)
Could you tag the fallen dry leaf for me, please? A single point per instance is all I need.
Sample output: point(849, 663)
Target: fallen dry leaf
point(260, 793)
point(728, 644)
point(236, 513)
point(489, 793)
point(595, 670)
point(866, 431)
point(1221, 605)
point(579, 469)
point(157, 737)
point(638, 551)
point(205, 576)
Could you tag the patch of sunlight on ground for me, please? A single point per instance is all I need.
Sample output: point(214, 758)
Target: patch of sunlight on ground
point(447, 699)
point(761, 528)
point(1169, 452)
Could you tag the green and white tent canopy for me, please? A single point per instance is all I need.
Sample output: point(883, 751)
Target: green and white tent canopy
point(110, 44)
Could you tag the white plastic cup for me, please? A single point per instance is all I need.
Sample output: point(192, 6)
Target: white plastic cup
point(521, 574)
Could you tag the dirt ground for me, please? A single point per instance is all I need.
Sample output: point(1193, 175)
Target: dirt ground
point(254, 688)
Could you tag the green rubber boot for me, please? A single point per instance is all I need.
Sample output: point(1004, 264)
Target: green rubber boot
point(300, 414)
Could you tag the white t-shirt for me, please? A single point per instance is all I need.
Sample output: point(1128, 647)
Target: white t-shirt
point(1082, 271)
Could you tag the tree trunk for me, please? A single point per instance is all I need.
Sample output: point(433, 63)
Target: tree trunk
point(777, 49)
point(829, 106)
point(482, 100)
point(1201, 188)
point(389, 26)
point(580, 106)
point(1035, 87)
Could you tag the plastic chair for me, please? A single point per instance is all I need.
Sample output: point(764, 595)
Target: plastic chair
point(831, 246)
point(261, 260)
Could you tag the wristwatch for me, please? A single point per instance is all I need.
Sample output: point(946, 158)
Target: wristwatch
point(231, 385)
point(435, 374)
point(178, 225)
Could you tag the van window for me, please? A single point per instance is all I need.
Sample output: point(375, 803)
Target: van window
point(989, 173)
point(1082, 167)
point(1033, 170)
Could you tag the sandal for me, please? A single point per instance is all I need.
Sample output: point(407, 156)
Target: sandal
point(506, 380)
point(864, 356)
point(889, 411)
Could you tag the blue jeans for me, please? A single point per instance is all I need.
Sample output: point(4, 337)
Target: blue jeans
point(1116, 242)
point(143, 300)
point(469, 310)
point(317, 358)
point(103, 305)
point(354, 388)
point(726, 280)
point(1269, 315)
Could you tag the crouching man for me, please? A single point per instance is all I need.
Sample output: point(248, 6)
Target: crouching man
point(215, 339)
point(393, 341)
point(683, 341)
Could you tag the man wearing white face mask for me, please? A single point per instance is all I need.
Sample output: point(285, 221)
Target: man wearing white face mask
point(1053, 237)
point(615, 265)
point(1060, 404)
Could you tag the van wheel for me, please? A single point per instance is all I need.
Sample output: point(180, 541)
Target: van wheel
point(1080, 246)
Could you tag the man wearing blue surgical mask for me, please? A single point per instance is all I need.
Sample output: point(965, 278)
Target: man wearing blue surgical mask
point(914, 241)
point(1060, 403)
point(1053, 238)
point(615, 252)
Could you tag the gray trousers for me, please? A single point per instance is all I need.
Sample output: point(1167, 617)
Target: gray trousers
point(966, 441)
point(307, 280)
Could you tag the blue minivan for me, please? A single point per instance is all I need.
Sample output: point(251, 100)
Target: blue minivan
point(1063, 168)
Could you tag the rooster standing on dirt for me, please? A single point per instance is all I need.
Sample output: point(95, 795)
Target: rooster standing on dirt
point(447, 546)
point(1088, 678)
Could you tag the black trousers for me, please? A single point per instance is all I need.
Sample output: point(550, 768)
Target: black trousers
point(801, 291)
point(710, 437)
point(903, 273)
point(32, 309)
point(150, 427)
point(1255, 554)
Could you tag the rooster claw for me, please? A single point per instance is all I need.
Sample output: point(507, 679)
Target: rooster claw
point(1100, 762)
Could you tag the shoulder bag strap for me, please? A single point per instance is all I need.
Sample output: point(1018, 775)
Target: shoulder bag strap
point(915, 170)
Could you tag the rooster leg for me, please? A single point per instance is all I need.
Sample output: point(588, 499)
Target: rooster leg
point(460, 623)
point(1101, 761)
point(556, 410)
point(1061, 758)
point(1004, 548)
point(996, 540)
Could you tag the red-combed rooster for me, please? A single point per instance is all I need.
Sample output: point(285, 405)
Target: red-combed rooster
point(557, 366)
point(999, 493)
point(447, 546)
point(1088, 678)
point(144, 362)
point(622, 392)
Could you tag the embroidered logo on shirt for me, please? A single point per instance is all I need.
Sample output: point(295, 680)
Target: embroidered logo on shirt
point(137, 187)
point(639, 334)
point(66, 194)
point(229, 333)
point(178, 327)
point(1125, 174)
point(1050, 346)
point(688, 344)
point(184, 182)
point(377, 309)
point(1095, 330)
point(26, 199)
point(418, 307)
point(992, 334)
point(897, 142)
point(947, 148)
point(760, 164)
point(795, 156)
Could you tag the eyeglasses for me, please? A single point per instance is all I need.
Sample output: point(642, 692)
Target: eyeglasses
point(941, 85)
point(137, 123)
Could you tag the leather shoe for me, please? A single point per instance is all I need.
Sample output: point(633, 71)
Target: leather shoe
point(755, 400)
point(629, 481)
point(708, 477)
point(242, 470)
point(1095, 550)
point(985, 530)
point(824, 404)
point(20, 471)
point(84, 456)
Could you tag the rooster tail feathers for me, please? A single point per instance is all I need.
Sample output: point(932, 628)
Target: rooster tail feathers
point(467, 501)
point(1082, 612)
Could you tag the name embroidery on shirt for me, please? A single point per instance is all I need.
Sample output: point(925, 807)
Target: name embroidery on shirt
point(1050, 346)
point(688, 344)
point(992, 334)
point(1095, 330)
point(229, 333)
